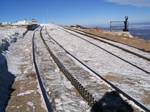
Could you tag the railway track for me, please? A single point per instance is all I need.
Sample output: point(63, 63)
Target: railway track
point(107, 50)
point(52, 87)
point(84, 93)
point(40, 82)
point(109, 41)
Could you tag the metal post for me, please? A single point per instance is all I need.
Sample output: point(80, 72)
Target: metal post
point(110, 27)
point(126, 24)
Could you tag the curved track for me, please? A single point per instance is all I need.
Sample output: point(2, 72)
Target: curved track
point(42, 88)
point(108, 82)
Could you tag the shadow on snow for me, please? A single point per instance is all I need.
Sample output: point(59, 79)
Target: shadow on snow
point(6, 80)
point(111, 102)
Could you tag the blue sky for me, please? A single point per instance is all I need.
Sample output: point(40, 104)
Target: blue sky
point(75, 11)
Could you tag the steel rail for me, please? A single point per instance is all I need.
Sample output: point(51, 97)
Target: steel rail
point(42, 88)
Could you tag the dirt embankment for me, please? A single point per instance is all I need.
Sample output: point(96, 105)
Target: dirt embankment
point(121, 37)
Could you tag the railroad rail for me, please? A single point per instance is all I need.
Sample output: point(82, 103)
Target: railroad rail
point(78, 86)
point(93, 36)
point(83, 92)
point(42, 88)
point(111, 52)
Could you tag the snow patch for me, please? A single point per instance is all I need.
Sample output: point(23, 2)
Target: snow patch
point(25, 93)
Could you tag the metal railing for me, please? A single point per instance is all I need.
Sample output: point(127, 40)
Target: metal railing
point(119, 25)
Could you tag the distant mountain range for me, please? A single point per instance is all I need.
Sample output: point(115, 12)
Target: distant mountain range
point(141, 30)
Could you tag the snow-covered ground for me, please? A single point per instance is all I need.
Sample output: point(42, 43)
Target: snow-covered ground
point(27, 91)
point(7, 37)
point(18, 69)
point(8, 32)
point(120, 73)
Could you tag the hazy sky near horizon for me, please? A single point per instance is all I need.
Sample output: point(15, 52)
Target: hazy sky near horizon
point(75, 11)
